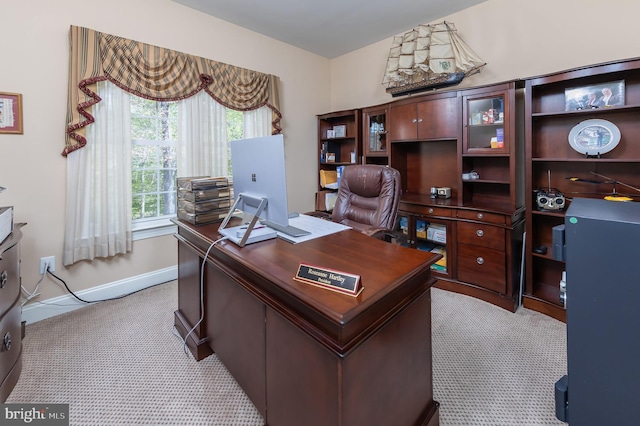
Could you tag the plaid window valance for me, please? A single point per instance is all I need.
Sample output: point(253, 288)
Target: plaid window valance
point(155, 73)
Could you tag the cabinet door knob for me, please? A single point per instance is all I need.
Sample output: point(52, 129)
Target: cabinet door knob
point(480, 260)
point(430, 210)
point(419, 120)
point(415, 120)
point(3, 279)
point(480, 215)
point(479, 232)
point(7, 341)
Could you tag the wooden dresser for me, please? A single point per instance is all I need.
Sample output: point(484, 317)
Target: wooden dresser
point(11, 328)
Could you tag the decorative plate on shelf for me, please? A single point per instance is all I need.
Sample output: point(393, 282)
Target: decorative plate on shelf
point(594, 137)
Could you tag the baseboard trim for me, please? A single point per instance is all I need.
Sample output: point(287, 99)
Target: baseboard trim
point(40, 310)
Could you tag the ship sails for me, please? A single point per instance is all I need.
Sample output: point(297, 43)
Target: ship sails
point(429, 57)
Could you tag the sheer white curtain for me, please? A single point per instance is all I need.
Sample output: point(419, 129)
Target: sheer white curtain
point(257, 122)
point(202, 137)
point(98, 215)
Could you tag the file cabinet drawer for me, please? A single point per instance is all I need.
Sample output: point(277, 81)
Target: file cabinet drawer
point(484, 267)
point(481, 235)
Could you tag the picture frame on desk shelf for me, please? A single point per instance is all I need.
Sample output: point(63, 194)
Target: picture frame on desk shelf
point(331, 134)
point(340, 131)
point(595, 96)
point(330, 157)
point(11, 113)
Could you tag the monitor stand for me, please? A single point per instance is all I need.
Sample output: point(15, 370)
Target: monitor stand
point(247, 233)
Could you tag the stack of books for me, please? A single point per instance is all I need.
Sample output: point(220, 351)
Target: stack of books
point(204, 199)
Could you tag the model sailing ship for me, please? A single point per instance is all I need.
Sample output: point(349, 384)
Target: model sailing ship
point(429, 57)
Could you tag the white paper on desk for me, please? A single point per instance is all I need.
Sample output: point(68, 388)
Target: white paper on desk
point(318, 228)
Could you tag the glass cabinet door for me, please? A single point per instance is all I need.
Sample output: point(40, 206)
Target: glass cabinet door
point(485, 119)
point(375, 132)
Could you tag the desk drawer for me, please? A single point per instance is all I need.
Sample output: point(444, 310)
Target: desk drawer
point(482, 216)
point(482, 266)
point(481, 235)
point(425, 210)
point(11, 329)
point(9, 289)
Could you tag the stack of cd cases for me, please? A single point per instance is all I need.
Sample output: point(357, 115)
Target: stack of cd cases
point(204, 199)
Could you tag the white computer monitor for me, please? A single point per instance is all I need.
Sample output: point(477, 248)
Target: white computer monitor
point(259, 185)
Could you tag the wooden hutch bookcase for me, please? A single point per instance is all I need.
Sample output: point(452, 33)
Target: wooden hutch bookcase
point(339, 144)
point(551, 162)
point(437, 140)
point(339, 138)
point(469, 141)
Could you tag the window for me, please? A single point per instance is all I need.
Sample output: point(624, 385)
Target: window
point(154, 127)
point(154, 163)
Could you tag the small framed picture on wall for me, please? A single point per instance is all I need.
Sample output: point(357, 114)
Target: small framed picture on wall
point(10, 113)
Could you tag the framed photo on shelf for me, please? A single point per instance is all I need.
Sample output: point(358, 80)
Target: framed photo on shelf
point(340, 131)
point(604, 95)
point(10, 113)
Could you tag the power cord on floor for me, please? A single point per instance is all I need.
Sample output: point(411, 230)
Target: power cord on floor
point(204, 262)
point(122, 296)
point(33, 294)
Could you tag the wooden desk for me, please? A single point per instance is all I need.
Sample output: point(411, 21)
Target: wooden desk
point(306, 355)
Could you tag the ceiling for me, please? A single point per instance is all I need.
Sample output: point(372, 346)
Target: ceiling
point(329, 28)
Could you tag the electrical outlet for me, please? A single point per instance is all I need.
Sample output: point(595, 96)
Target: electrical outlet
point(49, 261)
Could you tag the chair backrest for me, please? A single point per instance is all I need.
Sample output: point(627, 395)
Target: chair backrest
point(368, 197)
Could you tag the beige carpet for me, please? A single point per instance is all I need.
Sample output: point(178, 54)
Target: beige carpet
point(119, 363)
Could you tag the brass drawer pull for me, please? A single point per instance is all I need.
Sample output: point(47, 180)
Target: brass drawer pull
point(480, 260)
point(3, 279)
point(480, 233)
point(430, 211)
point(480, 215)
point(7, 341)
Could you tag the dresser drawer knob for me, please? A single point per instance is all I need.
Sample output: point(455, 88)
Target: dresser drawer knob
point(3, 279)
point(7, 341)
point(480, 215)
point(479, 232)
point(480, 260)
point(430, 211)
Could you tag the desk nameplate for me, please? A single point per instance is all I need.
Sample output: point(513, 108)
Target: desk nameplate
point(330, 279)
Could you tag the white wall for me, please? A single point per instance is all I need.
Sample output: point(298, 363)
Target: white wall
point(517, 39)
point(34, 61)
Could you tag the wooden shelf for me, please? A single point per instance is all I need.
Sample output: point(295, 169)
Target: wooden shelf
point(343, 147)
point(548, 153)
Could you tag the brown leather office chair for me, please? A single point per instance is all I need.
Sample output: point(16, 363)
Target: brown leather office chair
point(368, 199)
